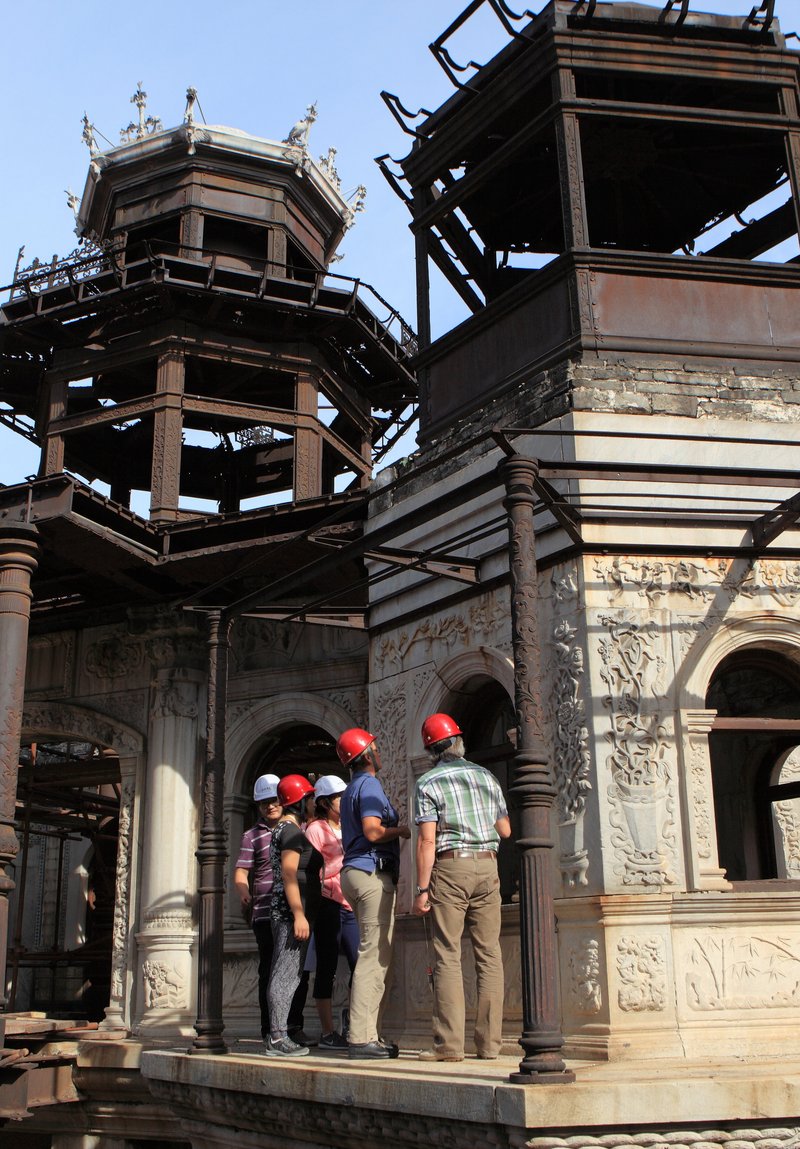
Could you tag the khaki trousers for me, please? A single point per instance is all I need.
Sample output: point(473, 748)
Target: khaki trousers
point(372, 897)
point(466, 891)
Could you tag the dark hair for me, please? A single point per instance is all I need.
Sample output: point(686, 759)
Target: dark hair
point(322, 806)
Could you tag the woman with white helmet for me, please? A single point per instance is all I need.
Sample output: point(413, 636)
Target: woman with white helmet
point(335, 929)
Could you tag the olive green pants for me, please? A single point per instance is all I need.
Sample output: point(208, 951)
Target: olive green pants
point(466, 892)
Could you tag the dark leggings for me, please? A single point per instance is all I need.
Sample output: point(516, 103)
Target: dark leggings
point(335, 931)
point(263, 933)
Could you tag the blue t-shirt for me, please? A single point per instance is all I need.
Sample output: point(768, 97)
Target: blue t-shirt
point(364, 798)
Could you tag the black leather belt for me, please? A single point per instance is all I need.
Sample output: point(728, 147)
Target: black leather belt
point(465, 854)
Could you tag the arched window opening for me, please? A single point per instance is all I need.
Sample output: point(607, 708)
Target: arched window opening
point(62, 909)
point(755, 765)
point(300, 749)
point(485, 713)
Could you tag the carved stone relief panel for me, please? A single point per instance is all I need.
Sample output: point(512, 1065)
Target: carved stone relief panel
point(390, 722)
point(786, 822)
point(571, 755)
point(484, 621)
point(642, 974)
point(50, 665)
point(115, 656)
point(128, 706)
point(584, 987)
point(354, 702)
point(119, 957)
point(641, 792)
point(164, 985)
point(736, 970)
point(652, 579)
point(240, 982)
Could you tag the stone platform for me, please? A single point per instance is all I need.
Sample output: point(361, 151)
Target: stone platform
point(326, 1100)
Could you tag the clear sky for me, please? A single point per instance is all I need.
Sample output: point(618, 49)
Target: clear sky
point(256, 65)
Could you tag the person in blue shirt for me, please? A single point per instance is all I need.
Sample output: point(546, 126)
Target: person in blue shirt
point(371, 836)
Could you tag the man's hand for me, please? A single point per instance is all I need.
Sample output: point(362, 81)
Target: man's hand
point(421, 905)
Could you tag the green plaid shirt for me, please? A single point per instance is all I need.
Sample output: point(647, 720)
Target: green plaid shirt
point(465, 800)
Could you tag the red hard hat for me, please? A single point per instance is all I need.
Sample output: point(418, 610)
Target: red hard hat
point(293, 788)
point(437, 727)
point(352, 743)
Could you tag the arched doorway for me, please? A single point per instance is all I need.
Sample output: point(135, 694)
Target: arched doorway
point(62, 909)
point(754, 747)
point(297, 749)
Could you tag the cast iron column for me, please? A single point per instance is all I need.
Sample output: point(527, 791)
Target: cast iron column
point(534, 791)
point(211, 853)
point(18, 561)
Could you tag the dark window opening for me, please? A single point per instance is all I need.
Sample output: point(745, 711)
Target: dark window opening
point(241, 244)
point(755, 766)
point(162, 236)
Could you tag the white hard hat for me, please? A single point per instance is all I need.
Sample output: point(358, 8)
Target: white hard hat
point(266, 787)
point(328, 786)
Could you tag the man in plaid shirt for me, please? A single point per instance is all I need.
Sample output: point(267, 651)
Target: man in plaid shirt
point(462, 815)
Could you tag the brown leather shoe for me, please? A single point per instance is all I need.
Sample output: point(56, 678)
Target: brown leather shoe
point(437, 1055)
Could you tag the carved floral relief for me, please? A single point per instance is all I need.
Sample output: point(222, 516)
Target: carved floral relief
point(485, 621)
point(390, 721)
point(571, 756)
point(641, 791)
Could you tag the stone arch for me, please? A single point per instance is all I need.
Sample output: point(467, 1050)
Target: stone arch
point(61, 718)
point(269, 715)
point(452, 676)
point(765, 630)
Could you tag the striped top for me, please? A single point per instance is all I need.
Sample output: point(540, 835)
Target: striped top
point(465, 800)
point(254, 855)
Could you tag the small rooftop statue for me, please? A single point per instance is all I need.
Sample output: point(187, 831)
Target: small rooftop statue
point(145, 126)
point(298, 136)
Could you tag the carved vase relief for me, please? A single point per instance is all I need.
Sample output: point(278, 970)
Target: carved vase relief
point(642, 971)
point(640, 795)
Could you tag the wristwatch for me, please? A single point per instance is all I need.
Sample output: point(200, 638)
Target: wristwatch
point(422, 889)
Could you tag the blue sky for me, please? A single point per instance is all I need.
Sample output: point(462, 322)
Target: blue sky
point(256, 65)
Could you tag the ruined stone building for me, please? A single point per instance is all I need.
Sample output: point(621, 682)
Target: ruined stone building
point(592, 561)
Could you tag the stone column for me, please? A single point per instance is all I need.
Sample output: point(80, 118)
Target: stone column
point(211, 852)
point(117, 1013)
point(165, 481)
point(168, 831)
point(307, 441)
point(534, 790)
point(703, 871)
point(18, 561)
